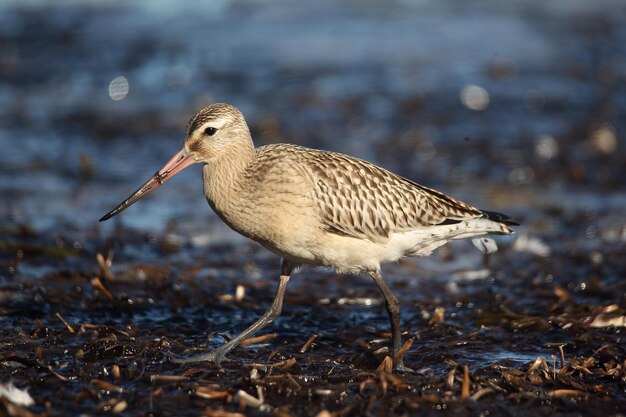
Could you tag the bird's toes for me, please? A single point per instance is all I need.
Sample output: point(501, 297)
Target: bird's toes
point(402, 368)
point(179, 359)
point(175, 358)
point(215, 356)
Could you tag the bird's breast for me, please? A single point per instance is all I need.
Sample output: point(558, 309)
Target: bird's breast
point(276, 213)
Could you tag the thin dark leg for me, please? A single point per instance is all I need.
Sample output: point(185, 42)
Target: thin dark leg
point(218, 354)
point(393, 309)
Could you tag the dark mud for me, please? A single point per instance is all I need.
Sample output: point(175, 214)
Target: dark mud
point(90, 312)
point(534, 334)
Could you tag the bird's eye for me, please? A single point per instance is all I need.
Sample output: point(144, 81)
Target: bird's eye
point(210, 131)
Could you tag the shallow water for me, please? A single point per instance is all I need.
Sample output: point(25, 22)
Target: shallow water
point(519, 109)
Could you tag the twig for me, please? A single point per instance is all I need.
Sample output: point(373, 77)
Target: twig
point(167, 378)
point(97, 284)
point(405, 347)
point(465, 388)
point(104, 266)
point(69, 326)
point(258, 339)
point(308, 343)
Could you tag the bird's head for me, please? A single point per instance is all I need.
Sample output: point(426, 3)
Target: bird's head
point(216, 130)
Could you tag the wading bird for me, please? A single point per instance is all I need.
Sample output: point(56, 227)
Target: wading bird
point(315, 207)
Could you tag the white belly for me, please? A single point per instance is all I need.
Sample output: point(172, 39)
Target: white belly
point(354, 255)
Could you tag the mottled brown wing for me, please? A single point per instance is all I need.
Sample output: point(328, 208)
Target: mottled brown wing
point(359, 199)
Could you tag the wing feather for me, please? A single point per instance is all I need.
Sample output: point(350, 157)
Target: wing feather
point(359, 199)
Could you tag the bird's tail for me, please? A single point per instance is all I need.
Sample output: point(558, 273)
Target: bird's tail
point(502, 219)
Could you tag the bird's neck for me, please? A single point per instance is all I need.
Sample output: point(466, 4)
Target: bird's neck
point(223, 176)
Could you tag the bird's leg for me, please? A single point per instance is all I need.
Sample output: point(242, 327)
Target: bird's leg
point(392, 305)
point(218, 354)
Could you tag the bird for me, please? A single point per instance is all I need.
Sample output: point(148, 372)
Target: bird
point(315, 207)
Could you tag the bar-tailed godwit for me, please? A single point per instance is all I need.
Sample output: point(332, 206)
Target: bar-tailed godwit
point(315, 207)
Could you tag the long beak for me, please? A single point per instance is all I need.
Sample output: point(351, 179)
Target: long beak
point(178, 162)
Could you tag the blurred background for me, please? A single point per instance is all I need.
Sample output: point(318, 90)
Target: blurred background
point(517, 107)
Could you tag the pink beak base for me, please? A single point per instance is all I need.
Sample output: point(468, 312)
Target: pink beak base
point(180, 161)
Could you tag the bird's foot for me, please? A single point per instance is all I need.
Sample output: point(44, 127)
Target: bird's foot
point(400, 367)
point(216, 356)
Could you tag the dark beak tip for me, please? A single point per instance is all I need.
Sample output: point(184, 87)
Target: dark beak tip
point(109, 215)
point(105, 217)
point(179, 162)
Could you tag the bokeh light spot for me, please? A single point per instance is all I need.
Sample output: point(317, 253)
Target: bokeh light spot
point(118, 88)
point(534, 100)
point(474, 97)
point(546, 147)
point(604, 139)
point(521, 176)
